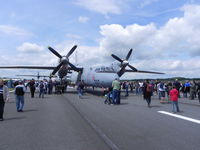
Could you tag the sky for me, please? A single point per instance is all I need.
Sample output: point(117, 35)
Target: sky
point(164, 35)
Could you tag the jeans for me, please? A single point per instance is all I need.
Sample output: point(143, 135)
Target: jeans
point(80, 92)
point(148, 101)
point(19, 102)
point(126, 92)
point(115, 97)
point(41, 94)
point(175, 104)
point(2, 104)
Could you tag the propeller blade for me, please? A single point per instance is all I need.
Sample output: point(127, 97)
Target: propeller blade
point(55, 52)
point(71, 51)
point(73, 67)
point(57, 68)
point(117, 58)
point(129, 54)
point(121, 72)
point(141, 71)
point(133, 68)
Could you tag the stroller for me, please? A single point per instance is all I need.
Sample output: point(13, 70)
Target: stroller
point(108, 96)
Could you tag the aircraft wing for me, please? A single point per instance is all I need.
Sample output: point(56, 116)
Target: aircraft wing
point(141, 71)
point(35, 75)
point(27, 67)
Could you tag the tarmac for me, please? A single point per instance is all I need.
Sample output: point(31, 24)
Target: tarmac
point(66, 122)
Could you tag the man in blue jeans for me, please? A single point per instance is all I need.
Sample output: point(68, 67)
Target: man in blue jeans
point(116, 92)
point(19, 92)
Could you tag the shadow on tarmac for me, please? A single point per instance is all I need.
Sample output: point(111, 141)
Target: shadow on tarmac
point(30, 110)
point(156, 106)
point(14, 118)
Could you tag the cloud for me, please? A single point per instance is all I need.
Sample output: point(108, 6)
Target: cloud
point(83, 19)
point(12, 30)
point(178, 35)
point(101, 6)
point(170, 48)
point(30, 48)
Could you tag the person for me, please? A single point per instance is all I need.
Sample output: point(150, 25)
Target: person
point(41, 89)
point(198, 91)
point(50, 86)
point(126, 88)
point(19, 92)
point(147, 91)
point(80, 88)
point(161, 89)
point(192, 90)
point(174, 94)
point(177, 84)
point(4, 96)
point(32, 87)
point(116, 91)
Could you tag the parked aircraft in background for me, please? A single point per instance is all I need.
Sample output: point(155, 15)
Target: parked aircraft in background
point(38, 76)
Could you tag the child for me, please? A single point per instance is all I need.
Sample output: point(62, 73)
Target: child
point(108, 97)
point(174, 98)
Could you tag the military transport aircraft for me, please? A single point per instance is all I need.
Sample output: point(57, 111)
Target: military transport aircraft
point(62, 68)
point(92, 76)
point(104, 75)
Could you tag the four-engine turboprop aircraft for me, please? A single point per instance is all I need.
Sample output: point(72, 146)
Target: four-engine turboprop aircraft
point(104, 75)
point(62, 68)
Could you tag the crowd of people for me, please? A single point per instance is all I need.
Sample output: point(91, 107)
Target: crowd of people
point(166, 91)
point(20, 87)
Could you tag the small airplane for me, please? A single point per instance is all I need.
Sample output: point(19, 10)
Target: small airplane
point(104, 75)
point(63, 68)
point(38, 76)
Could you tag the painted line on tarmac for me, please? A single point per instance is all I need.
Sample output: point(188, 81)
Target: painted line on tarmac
point(180, 116)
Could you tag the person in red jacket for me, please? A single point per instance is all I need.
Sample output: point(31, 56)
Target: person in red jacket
point(174, 98)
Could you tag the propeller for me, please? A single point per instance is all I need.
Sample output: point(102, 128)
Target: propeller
point(124, 63)
point(55, 52)
point(63, 59)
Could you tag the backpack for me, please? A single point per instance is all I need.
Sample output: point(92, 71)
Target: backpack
point(149, 88)
point(19, 91)
point(41, 85)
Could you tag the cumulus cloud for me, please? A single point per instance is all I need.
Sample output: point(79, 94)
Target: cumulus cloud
point(30, 48)
point(170, 47)
point(83, 19)
point(177, 35)
point(101, 6)
point(12, 30)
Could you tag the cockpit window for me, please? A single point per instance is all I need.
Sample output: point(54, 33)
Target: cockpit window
point(97, 70)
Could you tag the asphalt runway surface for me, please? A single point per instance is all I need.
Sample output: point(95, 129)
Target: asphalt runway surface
point(65, 122)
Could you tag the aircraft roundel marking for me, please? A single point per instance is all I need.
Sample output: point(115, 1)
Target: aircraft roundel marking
point(93, 77)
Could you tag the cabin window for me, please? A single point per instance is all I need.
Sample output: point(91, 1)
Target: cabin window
point(97, 70)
